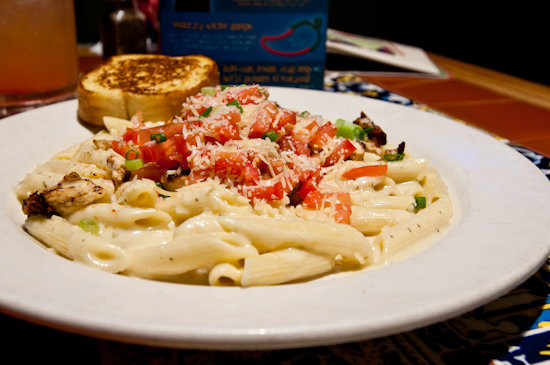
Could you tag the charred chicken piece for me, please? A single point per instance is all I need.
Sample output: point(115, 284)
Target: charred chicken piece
point(377, 138)
point(103, 144)
point(36, 204)
point(174, 182)
point(376, 134)
point(69, 195)
point(395, 154)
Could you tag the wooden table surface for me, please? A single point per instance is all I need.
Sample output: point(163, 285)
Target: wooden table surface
point(510, 107)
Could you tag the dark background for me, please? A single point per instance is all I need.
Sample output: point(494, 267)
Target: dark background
point(509, 38)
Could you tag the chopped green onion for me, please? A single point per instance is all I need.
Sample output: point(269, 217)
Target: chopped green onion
point(272, 135)
point(304, 113)
point(348, 130)
point(136, 155)
point(351, 130)
point(420, 202)
point(208, 90)
point(134, 164)
point(90, 226)
point(206, 112)
point(224, 87)
point(236, 103)
point(394, 157)
point(159, 137)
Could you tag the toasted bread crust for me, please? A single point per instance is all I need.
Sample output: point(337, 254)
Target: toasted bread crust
point(156, 85)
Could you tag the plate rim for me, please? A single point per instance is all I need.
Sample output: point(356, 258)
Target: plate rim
point(254, 336)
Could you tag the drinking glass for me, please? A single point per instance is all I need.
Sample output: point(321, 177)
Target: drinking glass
point(38, 53)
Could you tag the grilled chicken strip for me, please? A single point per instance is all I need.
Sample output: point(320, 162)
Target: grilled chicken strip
point(377, 138)
point(102, 155)
point(69, 195)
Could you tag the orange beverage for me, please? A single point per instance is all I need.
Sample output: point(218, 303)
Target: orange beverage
point(38, 53)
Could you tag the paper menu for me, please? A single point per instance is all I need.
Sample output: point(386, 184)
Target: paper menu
point(379, 50)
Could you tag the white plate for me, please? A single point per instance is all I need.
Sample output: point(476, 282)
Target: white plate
point(500, 237)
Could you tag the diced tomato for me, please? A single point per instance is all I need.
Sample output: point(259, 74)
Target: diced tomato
point(152, 151)
point(249, 95)
point(305, 132)
point(233, 116)
point(197, 176)
point(288, 183)
point(130, 135)
point(194, 108)
point(230, 160)
point(371, 170)
point(307, 187)
point(342, 151)
point(250, 173)
point(287, 143)
point(283, 118)
point(122, 147)
point(143, 135)
point(149, 171)
point(169, 130)
point(324, 134)
point(147, 152)
point(224, 127)
point(268, 192)
point(277, 164)
point(236, 163)
point(228, 132)
point(262, 122)
point(173, 161)
point(305, 174)
point(261, 125)
point(340, 201)
point(183, 143)
point(343, 213)
point(309, 178)
point(316, 199)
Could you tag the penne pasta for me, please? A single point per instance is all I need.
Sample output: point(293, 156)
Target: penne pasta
point(283, 266)
point(138, 193)
point(377, 201)
point(274, 234)
point(407, 169)
point(189, 253)
point(235, 191)
point(419, 225)
point(434, 187)
point(225, 274)
point(371, 221)
point(116, 126)
point(74, 243)
point(123, 216)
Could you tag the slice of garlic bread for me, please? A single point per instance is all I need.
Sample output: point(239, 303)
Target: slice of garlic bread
point(156, 85)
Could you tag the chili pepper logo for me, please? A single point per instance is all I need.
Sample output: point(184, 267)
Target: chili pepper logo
point(315, 25)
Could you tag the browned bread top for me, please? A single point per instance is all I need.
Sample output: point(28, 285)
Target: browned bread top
point(156, 85)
